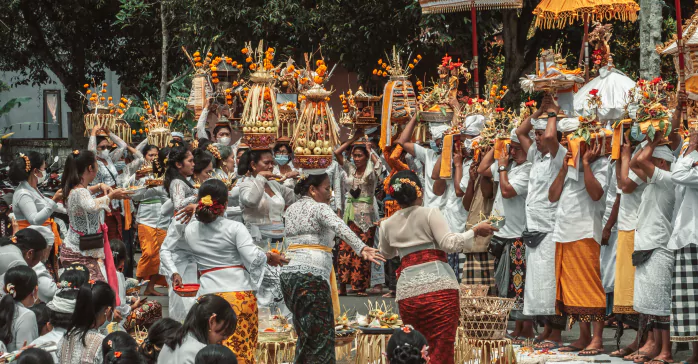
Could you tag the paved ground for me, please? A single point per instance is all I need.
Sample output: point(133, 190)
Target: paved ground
point(359, 305)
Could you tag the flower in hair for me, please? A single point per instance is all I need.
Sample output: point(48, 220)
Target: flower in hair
point(302, 177)
point(64, 284)
point(10, 289)
point(27, 163)
point(76, 152)
point(80, 268)
point(13, 239)
point(110, 344)
point(117, 354)
point(407, 329)
point(207, 201)
point(91, 281)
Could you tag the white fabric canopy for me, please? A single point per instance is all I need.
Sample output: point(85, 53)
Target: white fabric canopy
point(613, 86)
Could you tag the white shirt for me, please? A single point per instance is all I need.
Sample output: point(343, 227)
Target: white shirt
point(611, 195)
point(183, 354)
point(28, 204)
point(225, 243)
point(47, 287)
point(55, 335)
point(429, 158)
point(513, 209)
point(655, 213)
point(578, 216)
point(630, 203)
point(540, 212)
point(454, 212)
point(685, 176)
point(24, 327)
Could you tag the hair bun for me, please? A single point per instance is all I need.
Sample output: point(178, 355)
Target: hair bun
point(408, 354)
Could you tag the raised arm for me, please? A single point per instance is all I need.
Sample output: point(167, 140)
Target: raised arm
point(549, 139)
point(252, 191)
point(470, 188)
point(92, 142)
point(439, 184)
point(487, 161)
point(644, 159)
point(339, 152)
point(522, 132)
point(337, 187)
point(627, 181)
point(406, 135)
point(684, 171)
point(593, 186)
point(120, 147)
point(201, 123)
point(612, 219)
point(458, 173)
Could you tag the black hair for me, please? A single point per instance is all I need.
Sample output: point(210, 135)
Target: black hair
point(176, 155)
point(215, 354)
point(61, 319)
point(34, 356)
point(22, 281)
point(75, 166)
point(42, 314)
point(250, 156)
point(101, 138)
point(76, 275)
point(202, 159)
point(118, 251)
point(122, 343)
point(18, 167)
point(303, 185)
point(148, 147)
point(196, 322)
point(278, 146)
point(219, 194)
point(162, 331)
point(218, 128)
point(159, 165)
point(203, 143)
point(406, 194)
point(26, 239)
point(177, 143)
point(405, 347)
point(361, 147)
point(90, 301)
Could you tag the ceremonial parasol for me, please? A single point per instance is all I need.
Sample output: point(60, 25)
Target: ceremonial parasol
point(561, 13)
point(449, 6)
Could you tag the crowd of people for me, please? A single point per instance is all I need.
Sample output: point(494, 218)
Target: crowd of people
point(582, 238)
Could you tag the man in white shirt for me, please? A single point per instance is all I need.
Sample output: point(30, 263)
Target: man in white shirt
point(539, 295)
point(684, 241)
point(654, 263)
point(579, 187)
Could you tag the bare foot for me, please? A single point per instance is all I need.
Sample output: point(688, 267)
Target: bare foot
point(153, 292)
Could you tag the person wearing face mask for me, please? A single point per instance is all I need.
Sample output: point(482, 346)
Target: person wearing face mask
point(362, 177)
point(87, 241)
point(82, 342)
point(17, 323)
point(512, 171)
point(221, 132)
point(107, 174)
point(284, 165)
point(29, 205)
point(210, 321)
point(226, 171)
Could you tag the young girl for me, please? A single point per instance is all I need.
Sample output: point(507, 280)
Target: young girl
point(215, 354)
point(407, 346)
point(25, 248)
point(119, 347)
point(60, 313)
point(42, 321)
point(94, 309)
point(74, 276)
point(18, 323)
point(162, 331)
point(135, 311)
point(210, 321)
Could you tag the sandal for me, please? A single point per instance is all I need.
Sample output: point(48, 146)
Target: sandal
point(622, 353)
point(569, 349)
point(632, 355)
point(547, 345)
point(655, 360)
point(591, 352)
point(390, 294)
point(644, 358)
point(362, 294)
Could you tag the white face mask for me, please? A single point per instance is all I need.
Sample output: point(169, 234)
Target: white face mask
point(42, 178)
point(224, 140)
point(104, 154)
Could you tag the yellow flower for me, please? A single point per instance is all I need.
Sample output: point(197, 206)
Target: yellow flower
point(206, 200)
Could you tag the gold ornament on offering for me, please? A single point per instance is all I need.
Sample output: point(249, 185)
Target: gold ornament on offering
point(399, 96)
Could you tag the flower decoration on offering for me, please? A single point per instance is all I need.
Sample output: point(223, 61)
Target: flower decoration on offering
point(399, 96)
point(552, 75)
point(104, 111)
point(260, 115)
point(381, 315)
point(690, 50)
point(201, 87)
point(289, 77)
point(501, 123)
point(599, 38)
point(652, 114)
point(434, 101)
point(157, 123)
point(317, 131)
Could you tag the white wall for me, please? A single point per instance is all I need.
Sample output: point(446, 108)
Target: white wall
point(27, 121)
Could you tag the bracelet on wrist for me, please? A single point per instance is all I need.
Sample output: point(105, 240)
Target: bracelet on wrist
point(552, 115)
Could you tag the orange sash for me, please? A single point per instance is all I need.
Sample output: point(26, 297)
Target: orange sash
point(127, 214)
point(23, 224)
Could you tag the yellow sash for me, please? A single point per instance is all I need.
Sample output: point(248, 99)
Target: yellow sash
point(446, 157)
point(333, 277)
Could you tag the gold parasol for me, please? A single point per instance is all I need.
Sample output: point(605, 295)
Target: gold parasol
point(561, 13)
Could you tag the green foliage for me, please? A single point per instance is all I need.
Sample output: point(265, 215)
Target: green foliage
point(12, 103)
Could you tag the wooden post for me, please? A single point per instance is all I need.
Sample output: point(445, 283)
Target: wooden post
point(476, 74)
point(682, 61)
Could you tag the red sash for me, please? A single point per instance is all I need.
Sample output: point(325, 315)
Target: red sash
point(421, 257)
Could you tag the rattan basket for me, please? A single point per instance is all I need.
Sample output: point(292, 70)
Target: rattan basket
point(473, 290)
point(485, 318)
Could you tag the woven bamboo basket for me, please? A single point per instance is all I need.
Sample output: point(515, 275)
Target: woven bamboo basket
point(159, 137)
point(123, 130)
point(100, 118)
point(199, 89)
point(288, 119)
point(485, 318)
point(473, 290)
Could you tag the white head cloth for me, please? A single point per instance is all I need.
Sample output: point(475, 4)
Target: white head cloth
point(473, 124)
point(45, 232)
point(177, 134)
point(567, 125)
point(539, 124)
point(437, 130)
point(514, 137)
point(663, 152)
point(60, 304)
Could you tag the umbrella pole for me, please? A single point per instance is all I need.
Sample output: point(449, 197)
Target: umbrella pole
point(586, 49)
point(476, 73)
point(679, 44)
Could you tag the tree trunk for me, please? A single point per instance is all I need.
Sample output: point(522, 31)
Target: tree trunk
point(76, 137)
point(650, 36)
point(164, 85)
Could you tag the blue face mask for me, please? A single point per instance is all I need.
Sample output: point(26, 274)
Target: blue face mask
point(120, 165)
point(281, 159)
point(106, 323)
point(434, 147)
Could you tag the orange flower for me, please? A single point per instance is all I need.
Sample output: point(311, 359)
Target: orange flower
point(317, 79)
point(215, 80)
point(110, 98)
point(248, 59)
point(85, 85)
point(253, 66)
point(104, 91)
point(244, 51)
point(146, 130)
point(270, 50)
point(375, 71)
point(89, 91)
point(196, 54)
point(214, 69)
point(133, 132)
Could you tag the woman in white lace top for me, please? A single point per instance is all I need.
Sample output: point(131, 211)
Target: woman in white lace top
point(264, 200)
point(82, 343)
point(427, 289)
point(306, 283)
point(85, 215)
